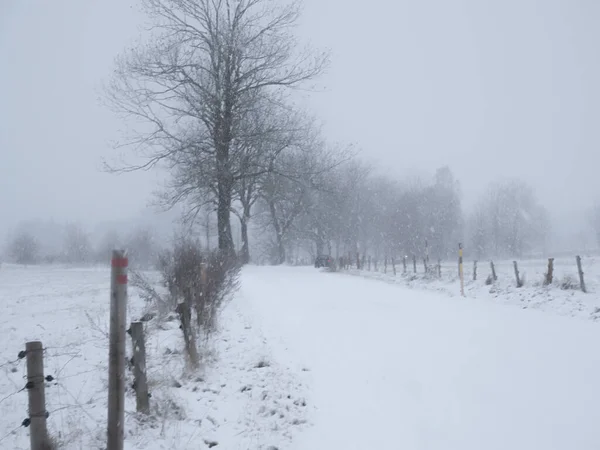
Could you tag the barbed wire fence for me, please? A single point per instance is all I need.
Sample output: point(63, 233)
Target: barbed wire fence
point(61, 382)
point(63, 408)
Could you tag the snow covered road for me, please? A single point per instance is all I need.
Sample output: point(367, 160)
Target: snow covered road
point(394, 368)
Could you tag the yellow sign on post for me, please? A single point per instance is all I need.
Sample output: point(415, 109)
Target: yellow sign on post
point(460, 270)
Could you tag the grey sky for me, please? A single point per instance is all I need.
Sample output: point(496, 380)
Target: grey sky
point(492, 88)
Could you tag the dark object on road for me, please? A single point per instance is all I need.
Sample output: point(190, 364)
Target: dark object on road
point(323, 261)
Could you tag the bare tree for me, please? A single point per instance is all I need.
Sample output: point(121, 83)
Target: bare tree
point(478, 232)
point(24, 248)
point(142, 248)
point(265, 133)
point(292, 178)
point(510, 220)
point(284, 199)
point(77, 247)
point(210, 63)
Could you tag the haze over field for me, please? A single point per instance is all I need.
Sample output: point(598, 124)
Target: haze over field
point(493, 90)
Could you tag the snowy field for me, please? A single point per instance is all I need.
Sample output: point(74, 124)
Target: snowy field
point(312, 360)
point(232, 402)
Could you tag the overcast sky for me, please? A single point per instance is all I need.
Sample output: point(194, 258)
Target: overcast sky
point(492, 88)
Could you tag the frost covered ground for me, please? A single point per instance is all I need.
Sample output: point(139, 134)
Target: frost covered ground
point(312, 360)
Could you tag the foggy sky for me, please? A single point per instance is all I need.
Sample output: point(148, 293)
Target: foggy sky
point(491, 88)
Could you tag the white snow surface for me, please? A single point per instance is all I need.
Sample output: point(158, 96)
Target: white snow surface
point(346, 362)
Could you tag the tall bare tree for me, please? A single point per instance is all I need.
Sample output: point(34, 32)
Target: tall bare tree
point(209, 64)
point(510, 219)
point(265, 134)
point(77, 246)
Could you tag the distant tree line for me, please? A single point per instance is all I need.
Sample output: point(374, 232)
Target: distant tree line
point(351, 211)
point(209, 91)
point(27, 247)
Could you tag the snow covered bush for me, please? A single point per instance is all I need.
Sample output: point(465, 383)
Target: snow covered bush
point(568, 282)
point(196, 284)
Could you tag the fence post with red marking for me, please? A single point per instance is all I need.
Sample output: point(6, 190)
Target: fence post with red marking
point(116, 351)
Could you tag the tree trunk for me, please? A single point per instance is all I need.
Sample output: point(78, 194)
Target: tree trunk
point(225, 191)
point(245, 252)
point(224, 224)
point(278, 234)
point(280, 249)
point(225, 179)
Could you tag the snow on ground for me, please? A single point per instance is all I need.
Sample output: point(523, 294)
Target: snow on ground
point(232, 402)
point(563, 297)
point(394, 368)
point(312, 360)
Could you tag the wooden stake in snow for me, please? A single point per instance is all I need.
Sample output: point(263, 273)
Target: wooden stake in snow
point(139, 367)
point(494, 277)
point(116, 351)
point(185, 316)
point(580, 270)
point(550, 272)
point(38, 434)
point(519, 281)
point(475, 270)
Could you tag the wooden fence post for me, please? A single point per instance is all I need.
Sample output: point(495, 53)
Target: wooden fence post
point(415, 263)
point(185, 316)
point(494, 277)
point(550, 273)
point(475, 270)
point(580, 270)
point(519, 281)
point(116, 351)
point(139, 367)
point(394, 265)
point(38, 432)
point(404, 264)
